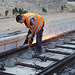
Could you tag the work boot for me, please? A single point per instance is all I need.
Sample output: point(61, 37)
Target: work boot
point(37, 52)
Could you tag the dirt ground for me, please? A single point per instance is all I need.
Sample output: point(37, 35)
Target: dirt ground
point(10, 24)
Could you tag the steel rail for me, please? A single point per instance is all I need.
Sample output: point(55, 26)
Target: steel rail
point(4, 55)
point(50, 70)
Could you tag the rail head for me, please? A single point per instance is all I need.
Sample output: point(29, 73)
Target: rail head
point(50, 70)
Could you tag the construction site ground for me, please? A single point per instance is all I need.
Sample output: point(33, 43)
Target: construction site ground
point(10, 24)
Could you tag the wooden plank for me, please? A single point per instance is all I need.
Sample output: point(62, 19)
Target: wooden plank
point(12, 40)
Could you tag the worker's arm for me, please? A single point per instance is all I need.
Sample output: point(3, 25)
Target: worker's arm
point(33, 31)
point(33, 23)
point(26, 40)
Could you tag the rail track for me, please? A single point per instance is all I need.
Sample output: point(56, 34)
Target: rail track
point(58, 52)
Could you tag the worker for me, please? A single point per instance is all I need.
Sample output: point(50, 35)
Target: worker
point(35, 23)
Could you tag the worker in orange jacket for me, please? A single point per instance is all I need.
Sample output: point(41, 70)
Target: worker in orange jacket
point(35, 23)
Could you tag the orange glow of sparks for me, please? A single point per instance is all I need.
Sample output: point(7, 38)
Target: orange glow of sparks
point(48, 37)
point(44, 38)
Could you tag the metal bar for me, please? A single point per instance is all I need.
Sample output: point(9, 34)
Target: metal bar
point(50, 70)
point(65, 47)
point(12, 51)
point(46, 58)
point(5, 54)
point(58, 52)
point(69, 43)
point(4, 73)
point(30, 65)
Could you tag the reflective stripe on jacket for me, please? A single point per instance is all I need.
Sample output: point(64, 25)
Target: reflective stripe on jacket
point(38, 21)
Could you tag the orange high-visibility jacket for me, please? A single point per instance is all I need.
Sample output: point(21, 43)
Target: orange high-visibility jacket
point(38, 21)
